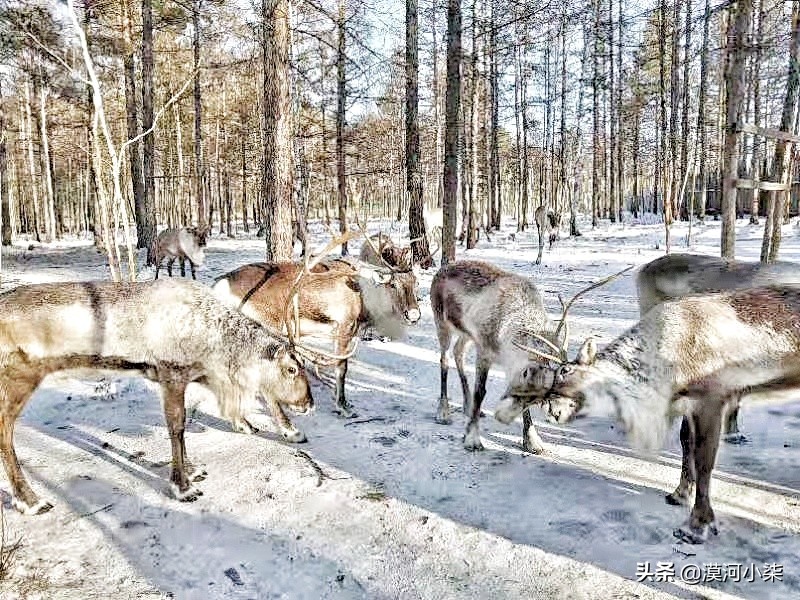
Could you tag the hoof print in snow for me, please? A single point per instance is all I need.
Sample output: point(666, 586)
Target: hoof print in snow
point(234, 576)
point(385, 441)
point(736, 439)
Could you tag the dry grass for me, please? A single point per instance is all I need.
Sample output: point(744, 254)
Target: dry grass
point(8, 549)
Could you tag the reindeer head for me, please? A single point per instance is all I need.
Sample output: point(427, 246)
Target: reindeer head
point(551, 378)
point(285, 379)
point(557, 384)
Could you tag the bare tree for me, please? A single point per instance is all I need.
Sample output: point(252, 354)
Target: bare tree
point(734, 98)
point(452, 101)
point(781, 159)
point(277, 174)
point(416, 224)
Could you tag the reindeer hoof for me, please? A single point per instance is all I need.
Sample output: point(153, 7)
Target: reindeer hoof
point(190, 494)
point(443, 419)
point(695, 534)
point(676, 498)
point(38, 508)
point(244, 426)
point(345, 411)
point(472, 442)
point(197, 475)
point(533, 449)
point(294, 436)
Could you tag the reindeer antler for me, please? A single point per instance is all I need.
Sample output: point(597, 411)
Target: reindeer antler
point(565, 307)
point(293, 329)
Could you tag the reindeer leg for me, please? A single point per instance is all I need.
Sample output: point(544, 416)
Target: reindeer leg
point(175, 414)
point(462, 343)
point(472, 438)
point(170, 262)
point(342, 407)
point(191, 265)
point(13, 396)
point(183, 266)
point(683, 493)
point(158, 266)
point(707, 433)
point(287, 429)
point(732, 433)
point(531, 442)
point(443, 412)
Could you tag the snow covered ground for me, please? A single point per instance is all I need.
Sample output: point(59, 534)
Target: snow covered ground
point(389, 505)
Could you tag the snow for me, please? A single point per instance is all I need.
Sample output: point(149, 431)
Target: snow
point(389, 504)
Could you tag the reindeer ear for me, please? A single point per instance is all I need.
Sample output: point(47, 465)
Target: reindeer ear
point(381, 278)
point(588, 352)
point(274, 351)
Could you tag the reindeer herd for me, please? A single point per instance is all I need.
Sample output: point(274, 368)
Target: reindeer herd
point(710, 331)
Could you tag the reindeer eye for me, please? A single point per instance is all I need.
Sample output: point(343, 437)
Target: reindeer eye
point(292, 370)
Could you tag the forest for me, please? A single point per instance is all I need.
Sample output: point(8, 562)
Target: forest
point(125, 117)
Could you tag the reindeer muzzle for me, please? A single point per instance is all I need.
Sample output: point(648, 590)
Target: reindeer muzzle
point(412, 315)
point(561, 409)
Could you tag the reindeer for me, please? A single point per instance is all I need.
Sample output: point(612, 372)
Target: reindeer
point(547, 222)
point(382, 252)
point(171, 332)
point(181, 243)
point(691, 357)
point(478, 303)
point(334, 299)
point(675, 275)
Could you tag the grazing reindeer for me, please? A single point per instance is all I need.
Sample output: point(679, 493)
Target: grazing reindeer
point(547, 222)
point(334, 299)
point(382, 252)
point(478, 303)
point(173, 332)
point(690, 357)
point(676, 275)
point(433, 218)
point(181, 243)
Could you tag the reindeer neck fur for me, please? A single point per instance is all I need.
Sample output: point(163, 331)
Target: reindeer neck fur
point(377, 309)
point(628, 380)
point(698, 349)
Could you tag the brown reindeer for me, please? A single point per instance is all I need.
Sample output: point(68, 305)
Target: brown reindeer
point(676, 275)
point(172, 332)
point(381, 251)
point(691, 357)
point(334, 300)
point(548, 222)
point(478, 303)
point(182, 244)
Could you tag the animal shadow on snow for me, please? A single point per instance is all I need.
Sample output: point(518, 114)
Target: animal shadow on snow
point(558, 507)
point(204, 555)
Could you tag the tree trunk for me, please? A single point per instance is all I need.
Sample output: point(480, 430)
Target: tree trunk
point(277, 176)
point(596, 116)
point(437, 118)
point(685, 102)
point(199, 166)
point(758, 143)
point(49, 199)
point(31, 160)
point(701, 109)
point(781, 159)
point(612, 142)
point(416, 225)
point(452, 101)
point(132, 121)
point(662, 165)
point(734, 96)
point(148, 143)
point(341, 103)
point(5, 204)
